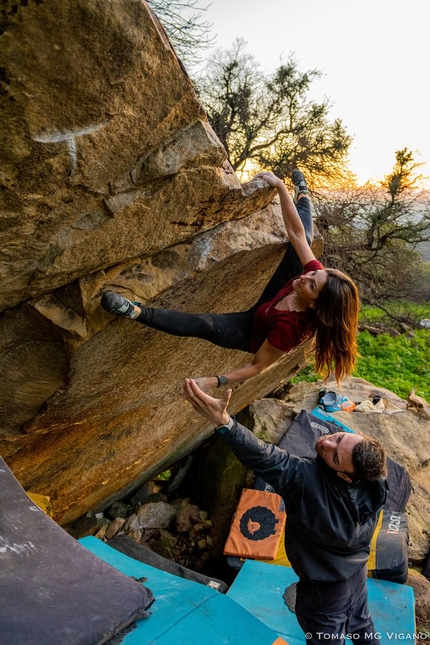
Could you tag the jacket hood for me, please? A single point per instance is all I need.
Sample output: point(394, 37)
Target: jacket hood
point(367, 497)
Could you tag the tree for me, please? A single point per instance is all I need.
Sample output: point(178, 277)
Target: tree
point(372, 233)
point(403, 176)
point(269, 119)
point(182, 20)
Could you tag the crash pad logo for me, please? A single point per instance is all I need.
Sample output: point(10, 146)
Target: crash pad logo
point(258, 523)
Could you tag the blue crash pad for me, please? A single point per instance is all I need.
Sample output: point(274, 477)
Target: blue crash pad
point(325, 416)
point(184, 612)
point(259, 588)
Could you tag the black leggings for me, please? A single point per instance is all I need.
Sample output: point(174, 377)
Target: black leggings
point(232, 330)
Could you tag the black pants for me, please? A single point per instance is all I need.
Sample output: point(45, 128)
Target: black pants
point(232, 330)
point(327, 612)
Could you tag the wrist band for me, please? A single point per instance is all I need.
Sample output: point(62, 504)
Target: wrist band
point(225, 428)
point(222, 380)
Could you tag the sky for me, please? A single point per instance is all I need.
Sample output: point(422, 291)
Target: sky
point(375, 60)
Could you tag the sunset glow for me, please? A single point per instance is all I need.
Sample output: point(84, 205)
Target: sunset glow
point(374, 58)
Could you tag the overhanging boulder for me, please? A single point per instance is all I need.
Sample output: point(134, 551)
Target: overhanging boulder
point(111, 177)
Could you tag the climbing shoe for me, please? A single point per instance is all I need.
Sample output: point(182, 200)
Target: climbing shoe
point(300, 185)
point(116, 304)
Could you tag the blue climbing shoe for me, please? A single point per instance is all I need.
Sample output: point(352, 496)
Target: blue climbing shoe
point(300, 185)
point(116, 304)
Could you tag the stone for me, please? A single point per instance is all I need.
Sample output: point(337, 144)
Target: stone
point(101, 533)
point(63, 317)
point(33, 363)
point(131, 523)
point(118, 509)
point(180, 503)
point(179, 474)
point(155, 497)
point(86, 525)
point(268, 419)
point(135, 534)
point(199, 527)
point(44, 503)
point(148, 535)
point(186, 517)
point(65, 140)
point(421, 587)
point(164, 544)
point(418, 405)
point(194, 146)
point(156, 515)
point(114, 527)
point(142, 494)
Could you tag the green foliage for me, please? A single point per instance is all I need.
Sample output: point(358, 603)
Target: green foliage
point(399, 364)
point(306, 374)
point(402, 309)
point(164, 476)
point(403, 175)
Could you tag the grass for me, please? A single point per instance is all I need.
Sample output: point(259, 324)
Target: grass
point(399, 364)
point(369, 315)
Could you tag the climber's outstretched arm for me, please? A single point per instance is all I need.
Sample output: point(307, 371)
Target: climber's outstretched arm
point(266, 356)
point(292, 221)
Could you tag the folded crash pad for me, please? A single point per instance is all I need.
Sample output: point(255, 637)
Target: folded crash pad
point(185, 612)
point(140, 552)
point(258, 525)
point(52, 590)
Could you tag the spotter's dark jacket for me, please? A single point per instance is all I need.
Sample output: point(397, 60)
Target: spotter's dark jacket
point(330, 523)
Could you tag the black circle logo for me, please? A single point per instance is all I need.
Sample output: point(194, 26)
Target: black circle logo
point(258, 523)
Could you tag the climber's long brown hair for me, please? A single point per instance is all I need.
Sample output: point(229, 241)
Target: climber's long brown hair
point(334, 324)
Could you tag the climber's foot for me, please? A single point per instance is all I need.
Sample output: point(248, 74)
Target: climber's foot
point(116, 304)
point(300, 186)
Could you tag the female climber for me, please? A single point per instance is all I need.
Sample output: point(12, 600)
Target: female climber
point(302, 300)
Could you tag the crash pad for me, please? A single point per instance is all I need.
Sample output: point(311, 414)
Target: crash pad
point(185, 612)
point(52, 589)
point(392, 605)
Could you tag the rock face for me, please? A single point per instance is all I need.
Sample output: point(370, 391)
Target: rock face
point(111, 177)
point(421, 587)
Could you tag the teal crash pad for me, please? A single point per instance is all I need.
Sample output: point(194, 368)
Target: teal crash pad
point(184, 612)
point(259, 588)
point(325, 416)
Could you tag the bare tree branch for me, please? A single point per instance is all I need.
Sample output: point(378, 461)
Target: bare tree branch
point(269, 119)
point(189, 33)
